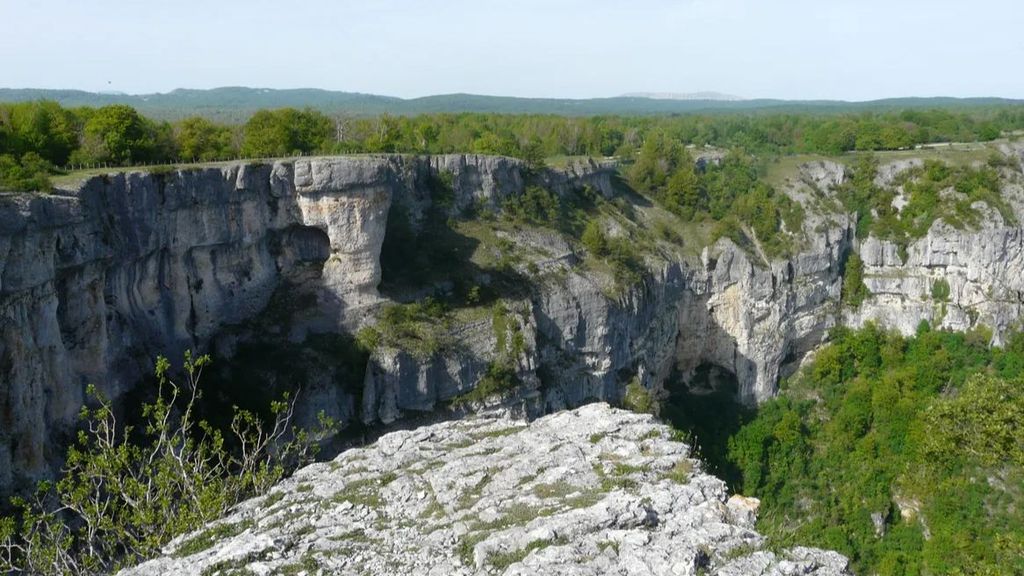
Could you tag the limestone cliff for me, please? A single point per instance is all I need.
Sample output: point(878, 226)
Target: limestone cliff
point(98, 280)
point(954, 278)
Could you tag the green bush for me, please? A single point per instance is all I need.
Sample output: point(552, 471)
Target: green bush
point(854, 289)
point(202, 140)
point(535, 206)
point(940, 290)
point(637, 398)
point(30, 173)
point(420, 328)
point(126, 493)
point(499, 378)
point(594, 239)
point(286, 132)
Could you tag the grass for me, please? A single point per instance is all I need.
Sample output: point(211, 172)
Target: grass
point(498, 433)
point(561, 162)
point(618, 479)
point(308, 564)
point(503, 560)
point(206, 539)
point(680, 473)
point(77, 176)
point(559, 489)
point(364, 492)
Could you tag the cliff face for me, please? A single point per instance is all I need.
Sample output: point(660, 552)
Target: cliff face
point(95, 282)
point(955, 279)
point(592, 491)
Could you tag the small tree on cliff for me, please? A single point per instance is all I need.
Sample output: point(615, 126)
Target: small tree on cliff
point(120, 500)
point(854, 289)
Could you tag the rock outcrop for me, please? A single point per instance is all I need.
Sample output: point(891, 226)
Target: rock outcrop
point(593, 491)
point(953, 278)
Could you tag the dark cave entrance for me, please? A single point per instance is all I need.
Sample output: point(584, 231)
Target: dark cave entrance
point(705, 406)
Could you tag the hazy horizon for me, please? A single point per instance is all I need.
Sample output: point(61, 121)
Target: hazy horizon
point(799, 50)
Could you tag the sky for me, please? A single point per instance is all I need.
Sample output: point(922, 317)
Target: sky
point(799, 49)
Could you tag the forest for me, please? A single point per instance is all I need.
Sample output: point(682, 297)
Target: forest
point(40, 138)
point(906, 454)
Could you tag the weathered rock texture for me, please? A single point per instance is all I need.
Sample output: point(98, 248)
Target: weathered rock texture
point(594, 491)
point(983, 268)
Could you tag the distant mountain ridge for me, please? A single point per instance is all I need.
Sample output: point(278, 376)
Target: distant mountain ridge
point(235, 104)
point(717, 96)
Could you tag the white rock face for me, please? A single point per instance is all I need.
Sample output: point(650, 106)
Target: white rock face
point(983, 267)
point(593, 491)
point(98, 281)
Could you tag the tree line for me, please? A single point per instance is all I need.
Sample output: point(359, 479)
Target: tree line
point(39, 137)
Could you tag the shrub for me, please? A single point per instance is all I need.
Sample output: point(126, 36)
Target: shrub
point(854, 289)
point(121, 500)
point(877, 421)
point(420, 328)
point(637, 398)
point(940, 290)
point(535, 206)
point(28, 173)
point(594, 239)
point(499, 378)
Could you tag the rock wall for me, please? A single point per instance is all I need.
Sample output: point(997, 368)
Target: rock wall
point(95, 282)
point(982, 266)
point(984, 270)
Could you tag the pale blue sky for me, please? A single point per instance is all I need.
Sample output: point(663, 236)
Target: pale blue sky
point(845, 49)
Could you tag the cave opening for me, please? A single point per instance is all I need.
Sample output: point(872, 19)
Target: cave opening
point(704, 405)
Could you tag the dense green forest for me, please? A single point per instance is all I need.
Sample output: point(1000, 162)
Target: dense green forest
point(39, 137)
point(235, 104)
point(906, 454)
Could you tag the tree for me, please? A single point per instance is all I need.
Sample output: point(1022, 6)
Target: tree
point(533, 155)
point(854, 289)
point(29, 173)
point(594, 239)
point(658, 158)
point(119, 135)
point(683, 191)
point(43, 128)
point(984, 422)
point(287, 131)
point(200, 139)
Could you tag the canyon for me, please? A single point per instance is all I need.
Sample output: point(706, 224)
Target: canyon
point(98, 278)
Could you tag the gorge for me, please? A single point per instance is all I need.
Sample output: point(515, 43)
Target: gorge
point(308, 275)
point(96, 281)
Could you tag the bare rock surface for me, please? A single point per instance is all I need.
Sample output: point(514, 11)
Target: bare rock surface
point(592, 491)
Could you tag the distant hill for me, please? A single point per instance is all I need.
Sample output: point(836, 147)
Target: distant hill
point(717, 96)
point(235, 104)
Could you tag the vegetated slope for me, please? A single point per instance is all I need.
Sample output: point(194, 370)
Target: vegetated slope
point(907, 454)
point(588, 492)
point(238, 103)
